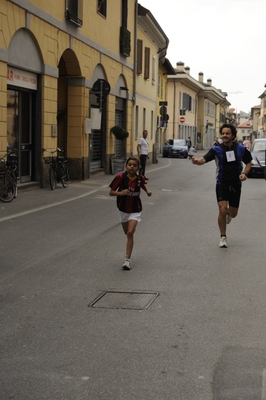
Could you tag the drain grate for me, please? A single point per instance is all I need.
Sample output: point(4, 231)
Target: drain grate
point(126, 300)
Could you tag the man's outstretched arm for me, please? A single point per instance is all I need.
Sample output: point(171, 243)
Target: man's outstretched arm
point(198, 161)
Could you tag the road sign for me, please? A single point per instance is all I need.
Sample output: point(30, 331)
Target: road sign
point(101, 87)
point(182, 119)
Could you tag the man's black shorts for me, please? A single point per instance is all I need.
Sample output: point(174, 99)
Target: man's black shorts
point(230, 193)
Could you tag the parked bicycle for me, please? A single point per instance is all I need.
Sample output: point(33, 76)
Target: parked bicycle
point(8, 177)
point(12, 166)
point(58, 171)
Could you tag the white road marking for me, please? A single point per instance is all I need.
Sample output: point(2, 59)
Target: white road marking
point(33, 210)
point(164, 166)
point(263, 395)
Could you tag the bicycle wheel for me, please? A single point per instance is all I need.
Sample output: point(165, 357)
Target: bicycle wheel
point(14, 177)
point(64, 174)
point(52, 177)
point(7, 188)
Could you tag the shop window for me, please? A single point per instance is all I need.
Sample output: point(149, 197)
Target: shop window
point(73, 11)
point(102, 7)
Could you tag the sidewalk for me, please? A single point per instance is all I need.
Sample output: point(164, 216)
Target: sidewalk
point(31, 200)
point(34, 199)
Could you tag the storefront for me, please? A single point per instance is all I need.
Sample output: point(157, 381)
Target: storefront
point(21, 101)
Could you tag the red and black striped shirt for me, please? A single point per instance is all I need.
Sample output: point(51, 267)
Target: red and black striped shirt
point(131, 202)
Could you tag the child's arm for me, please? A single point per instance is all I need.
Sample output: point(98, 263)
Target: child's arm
point(115, 193)
point(149, 193)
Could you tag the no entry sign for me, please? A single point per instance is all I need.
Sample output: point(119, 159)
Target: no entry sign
point(182, 119)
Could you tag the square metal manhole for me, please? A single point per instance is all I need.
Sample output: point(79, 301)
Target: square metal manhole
point(127, 300)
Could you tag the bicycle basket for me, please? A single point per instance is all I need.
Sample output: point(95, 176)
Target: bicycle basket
point(48, 160)
point(3, 167)
point(12, 160)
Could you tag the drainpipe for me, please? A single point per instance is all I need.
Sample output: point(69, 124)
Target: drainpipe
point(196, 120)
point(174, 110)
point(135, 77)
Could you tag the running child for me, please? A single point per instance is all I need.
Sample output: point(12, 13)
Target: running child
point(191, 152)
point(126, 187)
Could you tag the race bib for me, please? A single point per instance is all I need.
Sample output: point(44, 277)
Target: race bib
point(230, 156)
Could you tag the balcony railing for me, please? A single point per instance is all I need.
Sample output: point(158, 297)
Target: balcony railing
point(125, 46)
point(73, 18)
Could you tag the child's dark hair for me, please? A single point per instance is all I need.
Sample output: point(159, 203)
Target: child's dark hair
point(230, 126)
point(133, 159)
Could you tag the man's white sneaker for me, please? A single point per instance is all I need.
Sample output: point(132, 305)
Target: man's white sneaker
point(127, 264)
point(223, 242)
point(228, 218)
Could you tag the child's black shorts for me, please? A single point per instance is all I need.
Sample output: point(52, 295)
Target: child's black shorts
point(230, 193)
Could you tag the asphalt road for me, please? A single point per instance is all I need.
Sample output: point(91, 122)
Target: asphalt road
point(203, 336)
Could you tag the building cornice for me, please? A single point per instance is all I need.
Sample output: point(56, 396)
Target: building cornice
point(148, 24)
point(187, 80)
point(202, 89)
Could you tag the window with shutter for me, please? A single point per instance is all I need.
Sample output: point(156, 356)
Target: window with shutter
point(139, 56)
point(159, 86)
point(147, 63)
point(72, 12)
point(124, 13)
point(153, 68)
point(102, 7)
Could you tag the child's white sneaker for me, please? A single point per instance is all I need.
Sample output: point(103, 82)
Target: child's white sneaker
point(223, 242)
point(127, 264)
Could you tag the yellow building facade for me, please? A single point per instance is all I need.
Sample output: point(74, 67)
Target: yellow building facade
point(196, 109)
point(151, 79)
point(165, 68)
point(66, 77)
point(262, 116)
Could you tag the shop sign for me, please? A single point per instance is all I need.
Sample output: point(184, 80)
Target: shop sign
point(20, 78)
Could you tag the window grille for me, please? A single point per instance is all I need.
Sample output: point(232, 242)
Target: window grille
point(125, 44)
point(72, 12)
point(102, 7)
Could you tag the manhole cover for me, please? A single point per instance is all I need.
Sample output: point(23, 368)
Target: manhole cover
point(127, 300)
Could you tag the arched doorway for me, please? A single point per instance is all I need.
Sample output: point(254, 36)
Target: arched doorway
point(24, 104)
point(121, 92)
point(98, 112)
point(69, 79)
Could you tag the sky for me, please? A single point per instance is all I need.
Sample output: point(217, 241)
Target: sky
point(224, 39)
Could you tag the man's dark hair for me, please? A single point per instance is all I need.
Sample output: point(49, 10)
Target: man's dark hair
point(230, 126)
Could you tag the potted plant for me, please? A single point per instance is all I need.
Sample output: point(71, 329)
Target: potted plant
point(118, 160)
point(119, 132)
